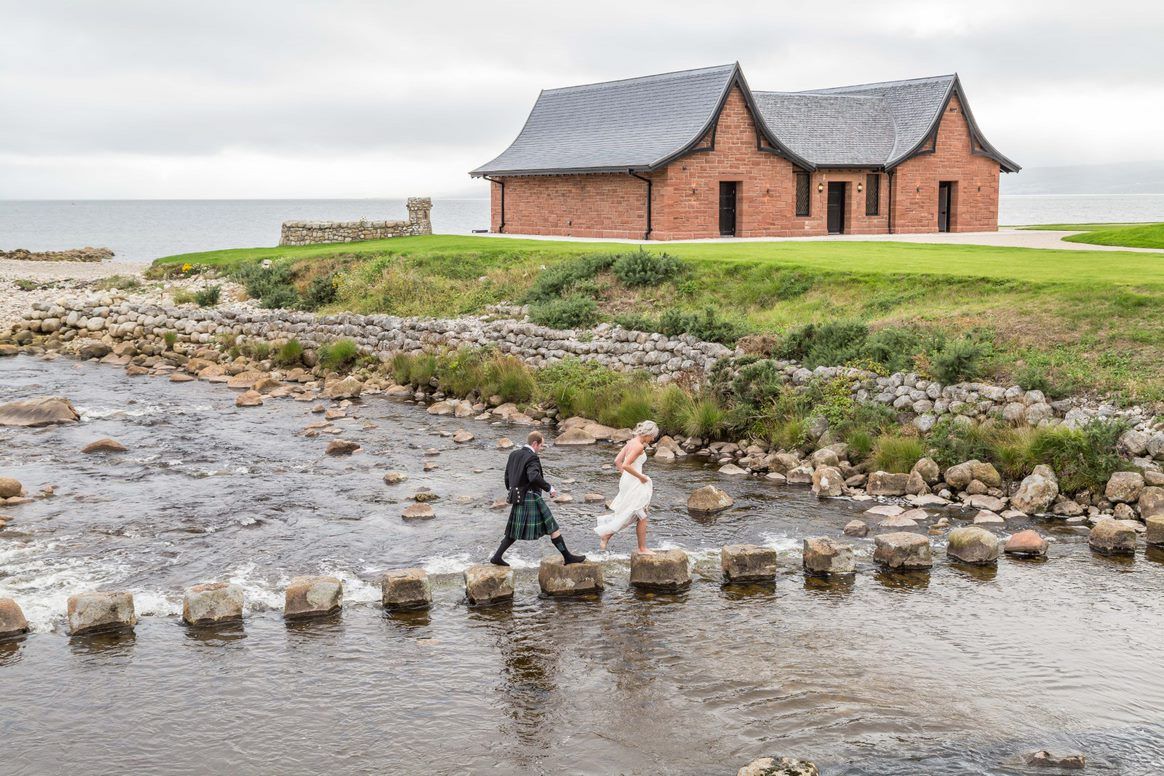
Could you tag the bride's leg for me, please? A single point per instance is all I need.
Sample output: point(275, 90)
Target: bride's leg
point(641, 533)
point(602, 541)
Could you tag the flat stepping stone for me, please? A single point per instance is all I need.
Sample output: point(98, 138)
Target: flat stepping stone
point(100, 613)
point(212, 603)
point(486, 584)
point(555, 578)
point(418, 512)
point(662, 570)
point(1029, 543)
point(406, 589)
point(310, 597)
point(885, 510)
point(903, 551)
point(747, 563)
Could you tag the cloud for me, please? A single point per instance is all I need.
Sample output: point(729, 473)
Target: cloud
point(296, 98)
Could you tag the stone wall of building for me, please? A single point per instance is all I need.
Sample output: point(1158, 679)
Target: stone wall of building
point(313, 232)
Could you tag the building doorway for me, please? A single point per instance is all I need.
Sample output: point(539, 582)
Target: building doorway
point(727, 208)
point(836, 209)
point(945, 198)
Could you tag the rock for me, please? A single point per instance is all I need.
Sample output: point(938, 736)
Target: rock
point(245, 380)
point(441, 408)
point(747, 563)
point(406, 589)
point(347, 388)
point(823, 555)
point(308, 597)
point(1070, 762)
point(662, 570)
point(504, 443)
point(827, 481)
point(903, 551)
point(916, 485)
point(1035, 494)
point(732, 470)
point(784, 766)
point(959, 475)
point(557, 579)
point(394, 478)
point(1124, 487)
point(886, 484)
point(1029, 542)
point(927, 501)
point(856, 528)
point(212, 603)
point(178, 377)
point(824, 457)
point(104, 445)
point(462, 437)
point(1113, 537)
point(8, 350)
point(488, 584)
point(424, 495)
point(250, 398)
point(776, 478)
point(800, 475)
point(94, 349)
point(38, 412)
point(574, 436)
point(1154, 534)
point(1065, 507)
point(971, 544)
point(12, 621)
point(986, 517)
point(989, 503)
point(927, 469)
point(708, 499)
point(10, 488)
point(100, 613)
point(885, 510)
point(419, 511)
point(1151, 502)
point(594, 498)
point(341, 447)
point(898, 521)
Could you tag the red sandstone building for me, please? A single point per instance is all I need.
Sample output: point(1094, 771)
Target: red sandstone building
point(699, 154)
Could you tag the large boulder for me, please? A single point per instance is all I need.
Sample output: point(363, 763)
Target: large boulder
point(488, 584)
point(661, 570)
point(45, 411)
point(1113, 537)
point(574, 436)
point(347, 388)
point(406, 589)
point(308, 597)
point(927, 469)
point(827, 481)
point(1151, 502)
point(10, 488)
point(959, 476)
point(212, 603)
point(12, 622)
point(971, 544)
point(557, 578)
point(747, 563)
point(100, 613)
point(1124, 487)
point(708, 499)
point(825, 456)
point(887, 484)
point(782, 766)
point(823, 556)
point(903, 551)
point(1029, 543)
point(1035, 494)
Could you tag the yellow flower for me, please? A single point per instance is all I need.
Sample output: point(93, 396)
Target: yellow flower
point(187, 267)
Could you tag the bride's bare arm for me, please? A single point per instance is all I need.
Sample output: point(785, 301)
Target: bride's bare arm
point(626, 458)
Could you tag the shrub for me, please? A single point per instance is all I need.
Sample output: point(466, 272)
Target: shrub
point(706, 326)
point(636, 322)
point(422, 369)
point(579, 387)
point(646, 269)
point(824, 344)
point(559, 279)
point(322, 290)
point(182, 296)
point(789, 434)
point(338, 355)
point(259, 350)
point(892, 453)
point(170, 337)
point(705, 418)
point(952, 442)
point(959, 360)
point(208, 297)
point(894, 348)
point(122, 282)
point(758, 383)
point(831, 399)
point(290, 354)
point(510, 379)
point(860, 444)
point(1012, 454)
point(632, 407)
point(573, 312)
point(273, 285)
point(460, 371)
point(672, 405)
point(1083, 458)
point(401, 367)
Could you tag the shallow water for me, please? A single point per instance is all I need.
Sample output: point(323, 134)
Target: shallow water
point(951, 672)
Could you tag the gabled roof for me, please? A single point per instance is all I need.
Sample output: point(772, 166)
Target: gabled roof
point(641, 124)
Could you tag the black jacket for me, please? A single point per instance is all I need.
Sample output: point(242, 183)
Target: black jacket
point(523, 471)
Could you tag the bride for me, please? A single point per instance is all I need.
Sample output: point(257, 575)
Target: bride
point(634, 489)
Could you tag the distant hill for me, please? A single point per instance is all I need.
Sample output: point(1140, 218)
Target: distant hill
point(1119, 178)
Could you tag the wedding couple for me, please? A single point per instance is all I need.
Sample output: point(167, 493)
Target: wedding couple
point(530, 517)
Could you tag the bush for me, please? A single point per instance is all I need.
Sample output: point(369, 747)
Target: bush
point(894, 348)
point(1083, 458)
point(892, 453)
point(959, 360)
point(422, 369)
point(322, 290)
point(705, 418)
point(559, 280)
point(824, 344)
point(401, 366)
point(672, 405)
point(860, 444)
point(758, 383)
point(632, 407)
point(510, 379)
point(952, 442)
point(273, 286)
point(706, 326)
point(207, 297)
point(460, 372)
point(646, 269)
point(573, 312)
point(182, 296)
point(170, 338)
point(290, 354)
point(259, 350)
point(338, 355)
point(636, 322)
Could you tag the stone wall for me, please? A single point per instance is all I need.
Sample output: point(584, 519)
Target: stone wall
point(73, 254)
point(313, 232)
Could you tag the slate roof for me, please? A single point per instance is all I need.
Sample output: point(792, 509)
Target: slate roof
point(641, 124)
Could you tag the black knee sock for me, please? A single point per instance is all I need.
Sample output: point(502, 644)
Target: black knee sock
point(567, 556)
point(506, 543)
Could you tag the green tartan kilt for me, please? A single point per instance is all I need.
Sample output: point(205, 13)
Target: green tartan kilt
point(531, 519)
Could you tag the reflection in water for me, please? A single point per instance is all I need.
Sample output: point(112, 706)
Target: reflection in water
point(218, 635)
point(903, 580)
point(832, 584)
point(1154, 554)
point(984, 572)
point(10, 649)
point(116, 644)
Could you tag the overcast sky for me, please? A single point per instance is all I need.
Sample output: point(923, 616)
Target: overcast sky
point(276, 98)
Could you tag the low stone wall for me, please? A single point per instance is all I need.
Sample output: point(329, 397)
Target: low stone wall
point(73, 254)
point(313, 232)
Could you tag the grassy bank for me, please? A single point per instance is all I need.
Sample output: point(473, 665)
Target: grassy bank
point(1119, 235)
point(1062, 321)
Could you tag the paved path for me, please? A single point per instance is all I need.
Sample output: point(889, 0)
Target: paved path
point(1014, 238)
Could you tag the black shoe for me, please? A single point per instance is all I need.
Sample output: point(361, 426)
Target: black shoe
point(496, 561)
point(572, 558)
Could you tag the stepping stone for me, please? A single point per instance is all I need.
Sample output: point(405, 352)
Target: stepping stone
point(488, 584)
point(406, 589)
point(309, 597)
point(885, 510)
point(420, 511)
point(212, 603)
point(1155, 530)
point(100, 613)
point(1029, 542)
point(856, 528)
point(708, 500)
point(12, 621)
point(557, 579)
point(903, 551)
point(971, 544)
point(747, 563)
point(662, 570)
point(824, 556)
point(1113, 537)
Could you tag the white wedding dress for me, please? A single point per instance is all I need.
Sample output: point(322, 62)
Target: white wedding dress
point(629, 505)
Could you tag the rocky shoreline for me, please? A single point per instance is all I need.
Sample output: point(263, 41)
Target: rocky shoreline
point(74, 254)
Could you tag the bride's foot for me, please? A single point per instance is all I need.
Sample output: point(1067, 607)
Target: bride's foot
point(646, 551)
point(603, 541)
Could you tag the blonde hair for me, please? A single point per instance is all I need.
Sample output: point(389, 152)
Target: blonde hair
point(645, 428)
point(534, 437)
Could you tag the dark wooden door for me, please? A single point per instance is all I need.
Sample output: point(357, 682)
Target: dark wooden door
point(727, 208)
point(836, 208)
point(944, 206)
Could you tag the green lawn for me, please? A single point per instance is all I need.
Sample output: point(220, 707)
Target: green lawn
point(1122, 235)
point(1088, 320)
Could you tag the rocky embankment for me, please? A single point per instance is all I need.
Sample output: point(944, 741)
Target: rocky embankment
point(74, 254)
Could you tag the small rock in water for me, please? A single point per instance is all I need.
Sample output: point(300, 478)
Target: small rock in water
point(38, 412)
point(432, 451)
point(708, 499)
point(250, 398)
point(341, 447)
point(986, 517)
point(104, 445)
point(1043, 758)
point(334, 414)
point(856, 528)
point(394, 478)
point(10, 488)
point(499, 504)
point(898, 521)
point(731, 469)
point(563, 498)
point(504, 443)
point(1028, 542)
point(1113, 537)
point(574, 436)
point(594, 498)
point(462, 436)
point(418, 512)
point(12, 621)
point(885, 510)
point(971, 544)
point(429, 466)
point(424, 495)
point(782, 766)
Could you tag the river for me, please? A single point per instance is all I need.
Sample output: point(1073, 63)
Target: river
point(952, 672)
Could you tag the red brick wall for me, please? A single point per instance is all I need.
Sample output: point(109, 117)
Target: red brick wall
point(685, 201)
point(974, 205)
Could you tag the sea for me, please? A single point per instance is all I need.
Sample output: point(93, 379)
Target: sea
point(143, 230)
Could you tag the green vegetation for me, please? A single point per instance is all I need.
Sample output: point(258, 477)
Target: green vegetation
point(170, 337)
point(290, 354)
point(895, 453)
point(208, 296)
point(339, 354)
point(1136, 236)
point(121, 282)
point(1063, 321)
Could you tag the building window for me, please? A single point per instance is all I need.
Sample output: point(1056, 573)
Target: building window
point(872, 194)
point(802, 196)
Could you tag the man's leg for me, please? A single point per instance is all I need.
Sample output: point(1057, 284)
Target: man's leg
point(567, 556)
point(506, 543)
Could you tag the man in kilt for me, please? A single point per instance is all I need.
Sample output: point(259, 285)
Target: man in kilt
point(529, 516)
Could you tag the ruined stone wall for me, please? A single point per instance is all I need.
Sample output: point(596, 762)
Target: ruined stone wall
point(313, 232)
